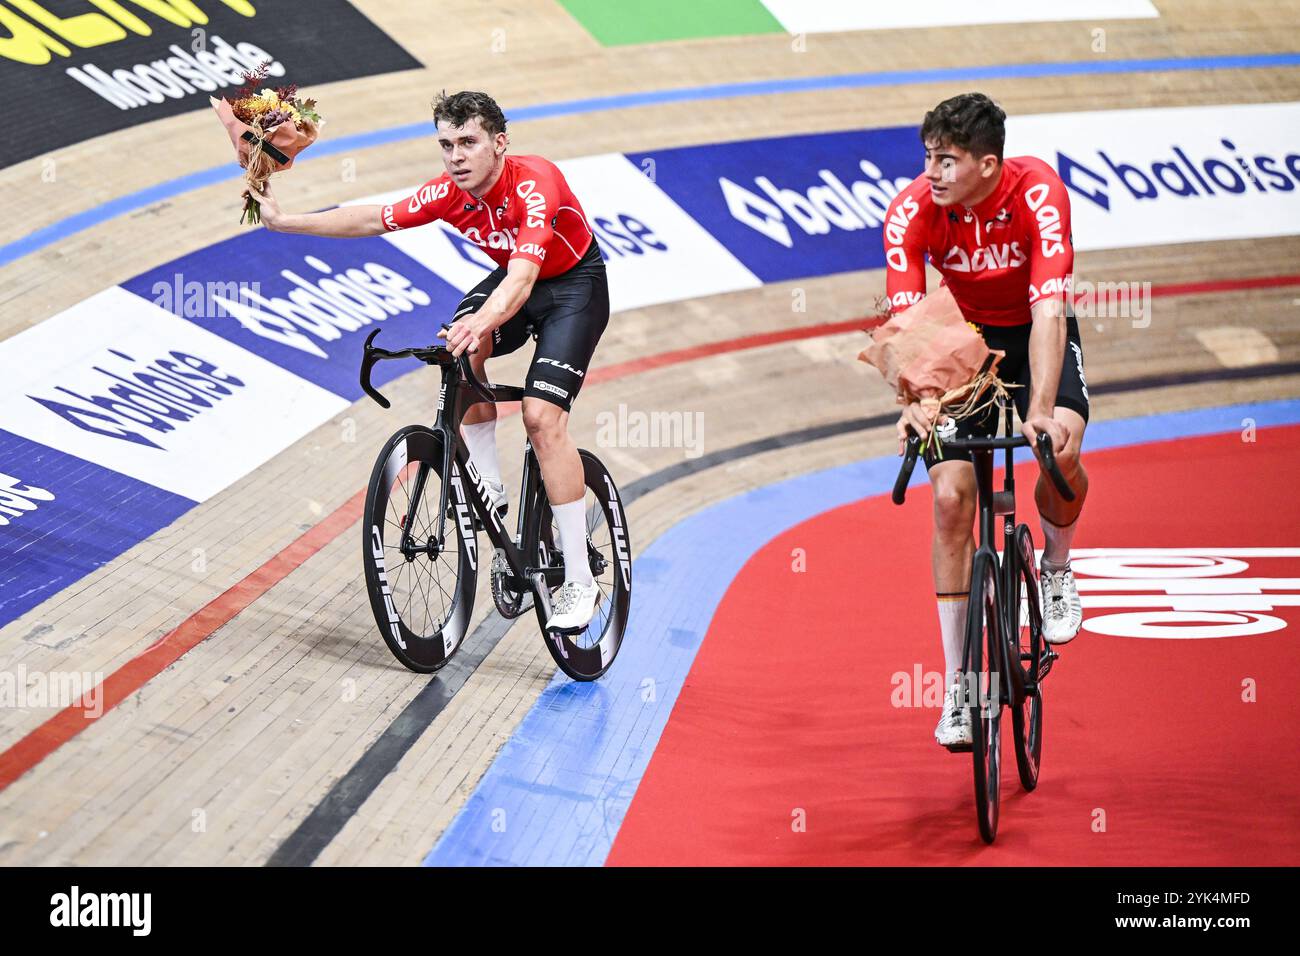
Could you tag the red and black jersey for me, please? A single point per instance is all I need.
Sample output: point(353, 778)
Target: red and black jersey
point(998, 258)
point(529, 213)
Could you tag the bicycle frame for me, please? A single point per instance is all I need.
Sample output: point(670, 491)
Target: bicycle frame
point(993, 505)
point(459, 390)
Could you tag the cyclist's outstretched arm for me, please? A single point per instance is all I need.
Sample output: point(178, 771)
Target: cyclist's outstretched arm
point(345, 222)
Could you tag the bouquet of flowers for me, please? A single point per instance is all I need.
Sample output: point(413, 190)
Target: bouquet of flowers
point(268, 128)
point(930, 354)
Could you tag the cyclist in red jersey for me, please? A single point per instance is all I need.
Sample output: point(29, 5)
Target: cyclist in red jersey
point(998, 232)
point(549, 284)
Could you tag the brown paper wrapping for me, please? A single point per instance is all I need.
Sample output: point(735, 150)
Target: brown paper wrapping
point(929, 349)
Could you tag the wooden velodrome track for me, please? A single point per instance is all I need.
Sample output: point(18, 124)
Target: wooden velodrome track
point(255, 725)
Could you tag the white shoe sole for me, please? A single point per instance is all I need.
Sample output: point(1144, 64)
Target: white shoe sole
point(551, 625)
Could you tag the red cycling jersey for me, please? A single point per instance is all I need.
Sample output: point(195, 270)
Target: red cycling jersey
point(998, 258)
point(529, 213)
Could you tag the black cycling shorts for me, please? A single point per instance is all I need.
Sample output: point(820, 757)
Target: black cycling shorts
point(566, 314)
point(1071, 393)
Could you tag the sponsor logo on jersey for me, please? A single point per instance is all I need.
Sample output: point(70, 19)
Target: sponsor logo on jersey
point(1173, 172)
point(896, 232)
point(497, 239)
point(428, 193)
point(904, 299)
point(533, 249)
point(1049, 219)
point(534, 202)
point(1005, 255)
point(1058, 286)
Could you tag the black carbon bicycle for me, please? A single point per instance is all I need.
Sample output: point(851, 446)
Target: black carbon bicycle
point(1005, 660)
point(424, 507)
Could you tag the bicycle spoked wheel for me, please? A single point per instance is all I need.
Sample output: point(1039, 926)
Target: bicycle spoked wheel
point(587, 654)
point(983, 690)
point(1027, 708)
point(421, 587)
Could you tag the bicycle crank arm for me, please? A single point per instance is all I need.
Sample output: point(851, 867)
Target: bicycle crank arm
point(554, 576)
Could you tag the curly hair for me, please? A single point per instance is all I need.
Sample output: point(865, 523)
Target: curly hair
point(459, 108)
point(971, 121)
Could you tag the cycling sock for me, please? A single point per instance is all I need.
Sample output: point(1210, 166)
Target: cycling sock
point(481, 440)
point(572, 520)
point(952, 625)
point(1056, 544)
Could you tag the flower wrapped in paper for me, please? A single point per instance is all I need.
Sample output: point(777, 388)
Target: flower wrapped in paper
point(930, 354)
point(268, 129)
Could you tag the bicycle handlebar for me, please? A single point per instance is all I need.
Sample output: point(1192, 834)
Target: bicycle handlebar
point(1047, 459)
point(432, 355)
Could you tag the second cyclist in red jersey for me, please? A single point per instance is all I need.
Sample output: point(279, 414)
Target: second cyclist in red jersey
point(998, 232)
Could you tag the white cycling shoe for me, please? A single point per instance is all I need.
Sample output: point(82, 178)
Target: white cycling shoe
point(1062, 609)
point(497, 495)
point(573, 606)
point(953, 731)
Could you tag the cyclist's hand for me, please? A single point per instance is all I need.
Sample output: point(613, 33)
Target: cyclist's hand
point(1058, 432)
point(466, 334)
point(270, 207)
point(919, 418)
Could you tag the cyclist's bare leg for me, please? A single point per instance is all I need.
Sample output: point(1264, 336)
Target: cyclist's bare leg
point(955, 501)
point(548, 430)
point(1051, 506)
point(954, 521)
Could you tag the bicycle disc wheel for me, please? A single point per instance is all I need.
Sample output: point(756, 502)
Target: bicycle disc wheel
point(421, 588)
point(587, 654)
point(1027, 711)
point(983, 691)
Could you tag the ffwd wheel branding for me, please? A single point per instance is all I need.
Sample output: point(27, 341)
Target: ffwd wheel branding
point(381, 572)
point(620, 534)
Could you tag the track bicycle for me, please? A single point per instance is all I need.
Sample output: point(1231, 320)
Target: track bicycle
point(425, 505)
point(1005, 659)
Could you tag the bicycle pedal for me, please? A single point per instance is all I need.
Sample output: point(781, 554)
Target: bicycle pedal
point(958, 748)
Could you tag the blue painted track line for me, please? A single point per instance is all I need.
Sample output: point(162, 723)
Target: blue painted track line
point(229, 172)
point(559, 789)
